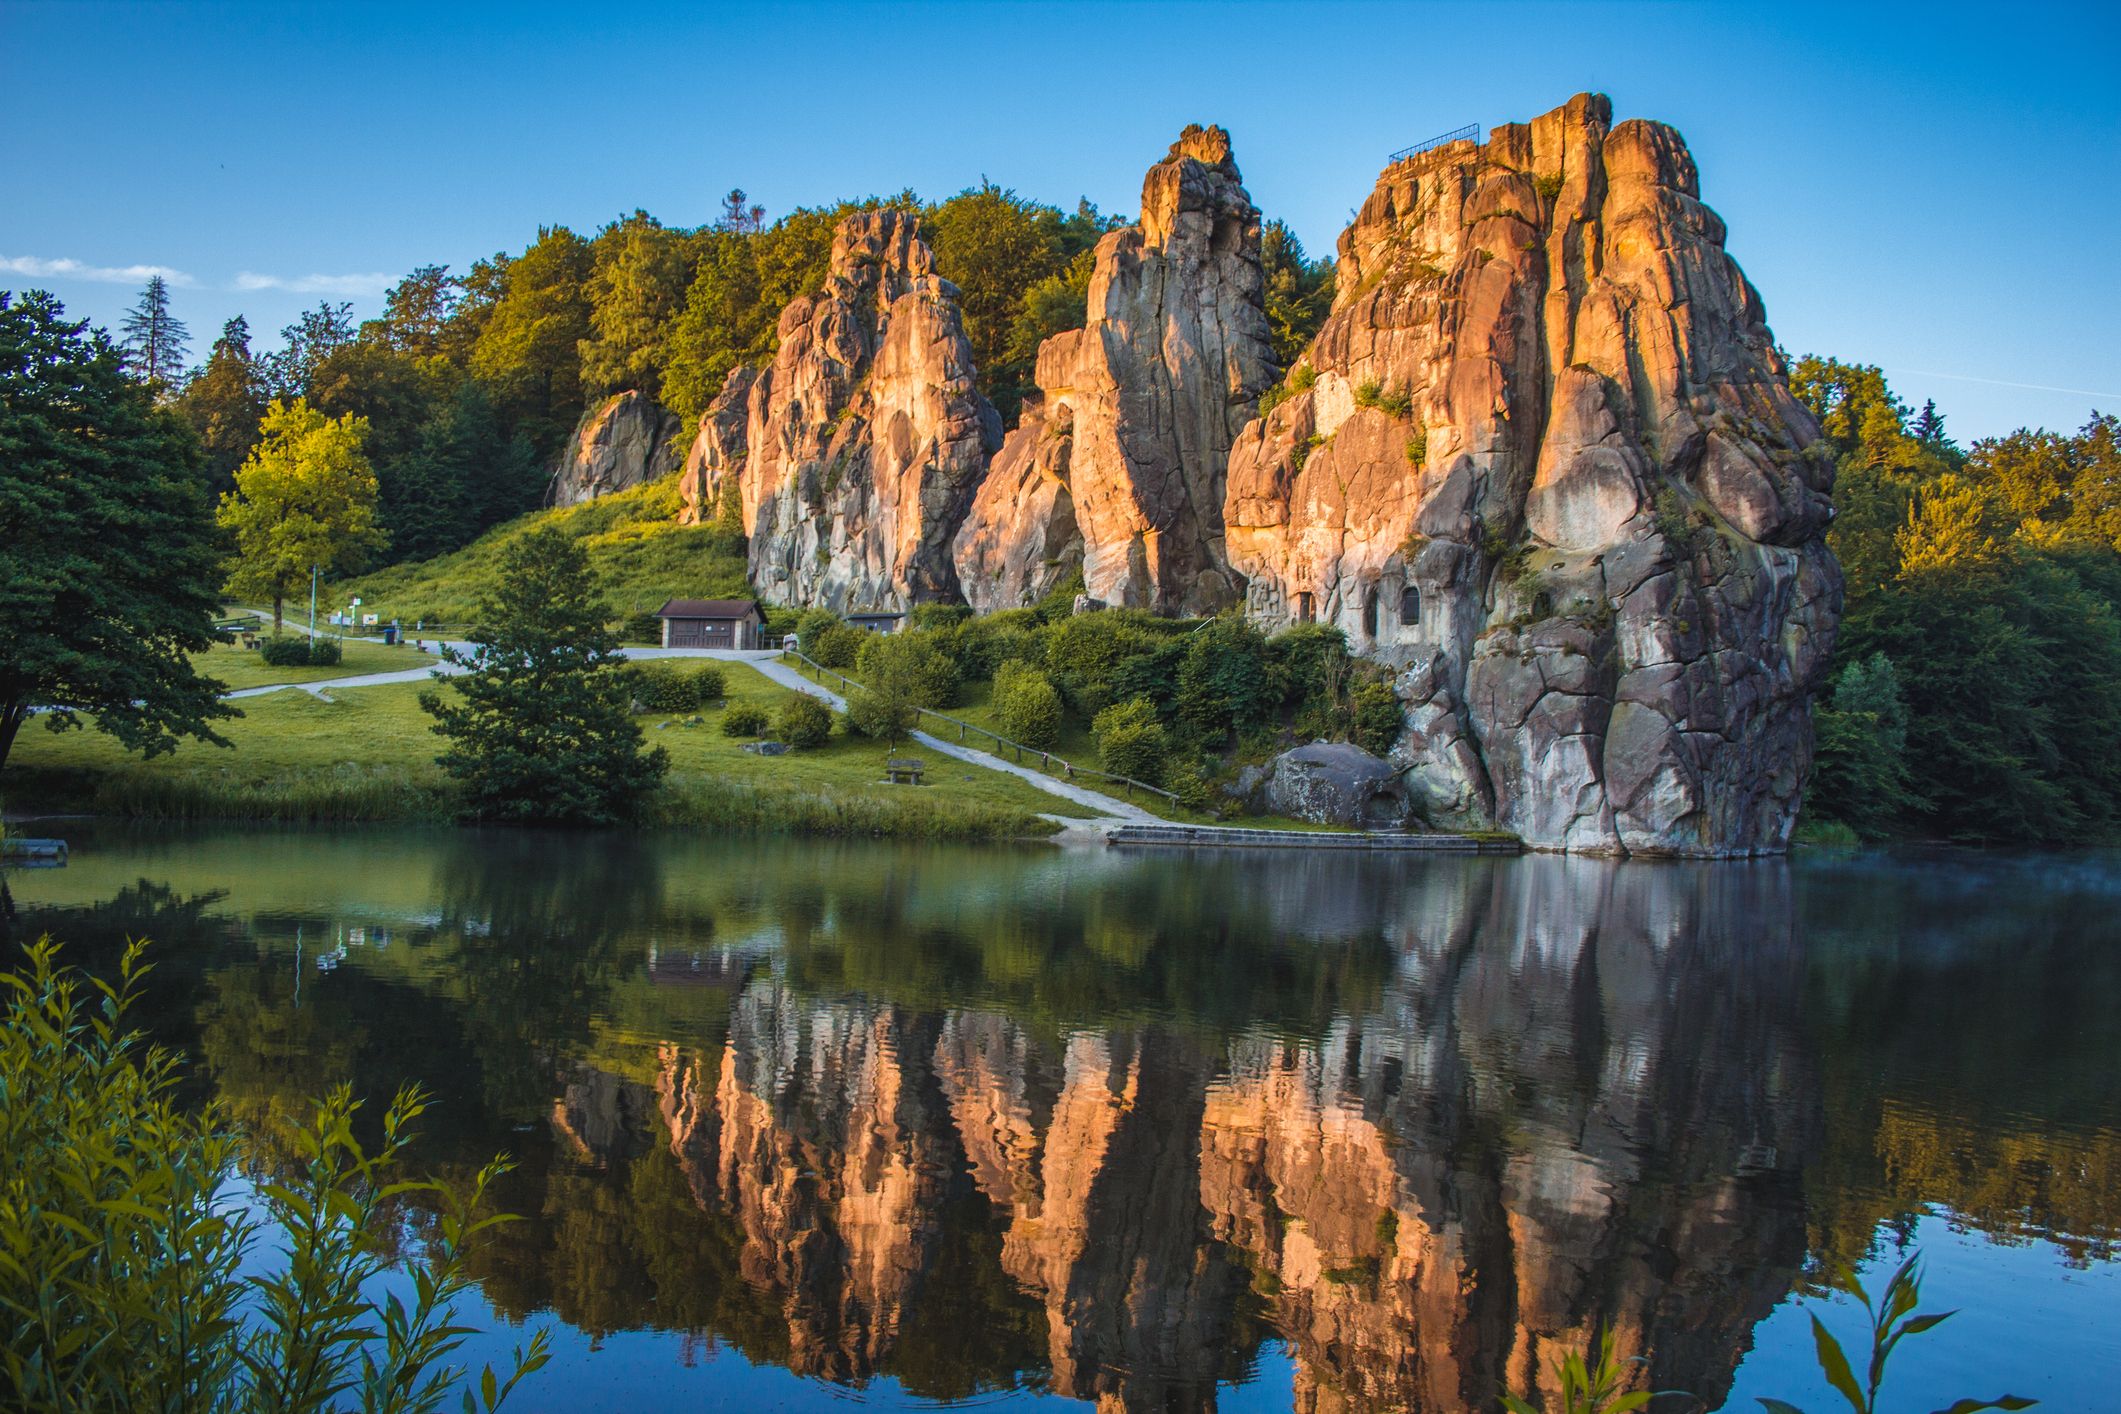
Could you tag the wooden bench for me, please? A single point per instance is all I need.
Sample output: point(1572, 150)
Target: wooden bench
point(904, 770)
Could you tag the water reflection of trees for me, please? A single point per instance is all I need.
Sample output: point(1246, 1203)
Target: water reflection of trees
point(968, 1118)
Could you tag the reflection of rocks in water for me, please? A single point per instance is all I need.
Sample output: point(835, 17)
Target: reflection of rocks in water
point(599, 1115)
point(1556, 1132)
point(1579, 1101)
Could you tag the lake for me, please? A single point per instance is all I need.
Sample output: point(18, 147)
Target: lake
point(802, 1123)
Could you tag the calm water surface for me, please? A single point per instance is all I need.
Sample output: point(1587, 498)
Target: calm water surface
point(800, 1124)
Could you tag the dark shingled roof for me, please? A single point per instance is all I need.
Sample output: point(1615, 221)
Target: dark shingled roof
point(706, 609)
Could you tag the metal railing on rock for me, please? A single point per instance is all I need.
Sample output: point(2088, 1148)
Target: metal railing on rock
point(1049, 763)
point(1470, 130)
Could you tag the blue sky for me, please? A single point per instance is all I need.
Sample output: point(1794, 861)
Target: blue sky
point(1936, 189)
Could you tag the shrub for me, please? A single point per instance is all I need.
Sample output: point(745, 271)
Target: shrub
point(879, 717)
point(1379, 718)
point(132, 1285)
point(1373, 394)
point(1027, 705)
point(285, 652)
point(803, 721)
point(709, 684)
point(1224, 682)
point(1418, 446)
point(937, 616)
point(325, 653)
point(665, 687)
point(1130, 740)
point(811, 625)
point(908, 665)
point(744, 719)
point(836, 646)
point(643, 627)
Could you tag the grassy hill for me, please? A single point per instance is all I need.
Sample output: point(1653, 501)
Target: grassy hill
point(634, 541)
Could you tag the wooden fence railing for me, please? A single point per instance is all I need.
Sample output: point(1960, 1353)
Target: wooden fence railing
point(1049, 763)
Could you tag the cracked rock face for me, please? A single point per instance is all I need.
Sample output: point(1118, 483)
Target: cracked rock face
point(621, 442)
point(1545, 461)
point(864, 442)
point(1129, 450)
point(717, 454)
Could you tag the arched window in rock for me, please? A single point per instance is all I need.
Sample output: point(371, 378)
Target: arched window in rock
point(1410, 607)
point(1369, 612)
point(1303, 607)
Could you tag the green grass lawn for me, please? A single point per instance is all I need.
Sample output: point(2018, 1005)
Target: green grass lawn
point(633, 539)
point(368, 754)
point(241, 667)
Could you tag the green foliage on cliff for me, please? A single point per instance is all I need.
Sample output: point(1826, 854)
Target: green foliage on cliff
point(1984, 598)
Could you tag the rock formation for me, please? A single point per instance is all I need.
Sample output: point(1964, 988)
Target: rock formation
point(717, 455)
point(866, 439)
point(1544, 459)
point(1127, 447)
point(623, 441)
point(1330, 783)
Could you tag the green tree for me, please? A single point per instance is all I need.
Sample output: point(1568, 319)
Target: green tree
point(2059, 488)
point(1299, 291)
point(529, 350)
point(224, 403)
point(1026, 704)
point(1131, 741)
point(108, 560)
point(995, 246)
point(418, 309)
point(155, 340)
point(1860, 771)
point(540, 728)
point(637, 286)
point(291, 370)
point(305, 500)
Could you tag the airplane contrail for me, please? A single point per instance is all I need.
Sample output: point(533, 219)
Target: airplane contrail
point(2004, 383)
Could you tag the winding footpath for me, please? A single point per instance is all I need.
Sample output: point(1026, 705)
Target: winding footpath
point(768, 663)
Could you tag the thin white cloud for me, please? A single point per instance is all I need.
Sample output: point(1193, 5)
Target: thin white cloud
point(67, 268)
point(349, 285)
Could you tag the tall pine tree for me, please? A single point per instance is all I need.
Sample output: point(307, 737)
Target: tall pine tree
point(540, 729)
point(156, 341)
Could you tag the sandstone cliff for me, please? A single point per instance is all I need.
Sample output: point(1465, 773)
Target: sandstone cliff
point(1125, 453)
point(620, 442)
point(865, 440)
point(1543, 457)
point(716, 457)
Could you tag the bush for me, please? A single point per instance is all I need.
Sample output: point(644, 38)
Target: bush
point(837, 645)
point(642, 628)
point(1379, 718)
point(295, 651)
point(804, 721)
point(879, 717)
point(1027, 705)
point(810, 626)
point(671, 686)
point(1224, 682)
point(908, 665)
point(744, 719)
point(1130, 741)
point(133, 1285)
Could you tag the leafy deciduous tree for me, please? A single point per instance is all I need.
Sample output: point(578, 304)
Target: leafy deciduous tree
point(305, 499)
point(108, 560)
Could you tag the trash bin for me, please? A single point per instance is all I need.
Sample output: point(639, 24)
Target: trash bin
point(390, 635)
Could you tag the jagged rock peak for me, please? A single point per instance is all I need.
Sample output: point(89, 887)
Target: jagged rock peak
point(866, 439)
point(1543, 457)
point(717, 453)
point(621, 442)
point(1126, 451)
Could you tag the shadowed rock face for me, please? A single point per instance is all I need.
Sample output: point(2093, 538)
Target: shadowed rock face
point(621, 442)
point(865, 440)
point(1550, 467)
point(1140, 406)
